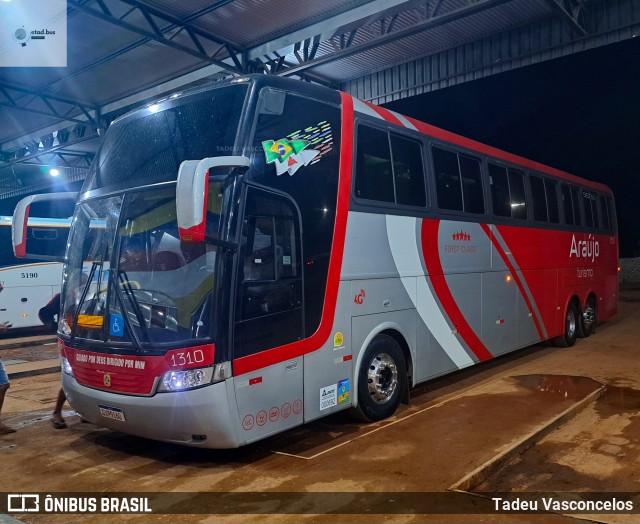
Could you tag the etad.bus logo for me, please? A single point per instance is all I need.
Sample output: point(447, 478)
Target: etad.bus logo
point(33, 33)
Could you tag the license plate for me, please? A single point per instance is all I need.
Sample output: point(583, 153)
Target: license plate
point(112, 413)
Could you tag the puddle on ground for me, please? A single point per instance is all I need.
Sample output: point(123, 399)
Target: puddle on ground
point(562, 386)
point(622, 398)
point(597, 452)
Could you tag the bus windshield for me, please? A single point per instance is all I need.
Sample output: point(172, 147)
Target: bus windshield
point(149, 146)
point(130, 280)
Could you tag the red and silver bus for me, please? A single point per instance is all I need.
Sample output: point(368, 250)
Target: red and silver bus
point(272, 252)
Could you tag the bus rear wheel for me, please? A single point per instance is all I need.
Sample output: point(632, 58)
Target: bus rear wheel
point(588, 319)
point(571, 321)
point(382, 379)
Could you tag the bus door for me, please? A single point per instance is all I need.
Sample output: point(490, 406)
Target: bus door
point(268, 315)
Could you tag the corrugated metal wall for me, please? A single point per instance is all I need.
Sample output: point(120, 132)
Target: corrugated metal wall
point(606, 22)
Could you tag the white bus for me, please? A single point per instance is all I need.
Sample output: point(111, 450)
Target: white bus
point(29, 284)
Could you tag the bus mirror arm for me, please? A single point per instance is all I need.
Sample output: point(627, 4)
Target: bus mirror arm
point(231, 247)
point(192, 193)
point(20, 223)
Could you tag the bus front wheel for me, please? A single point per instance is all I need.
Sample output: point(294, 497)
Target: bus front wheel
point(571, 320)
point(382, 379)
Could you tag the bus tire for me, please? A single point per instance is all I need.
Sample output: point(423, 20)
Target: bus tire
point(382, 379)
point(588, 319)
point(571, 321)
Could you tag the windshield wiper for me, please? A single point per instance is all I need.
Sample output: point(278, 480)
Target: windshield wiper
point(126, 284)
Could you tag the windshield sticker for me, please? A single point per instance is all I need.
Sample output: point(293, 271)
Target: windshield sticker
point(116, 325)
point(300, 148)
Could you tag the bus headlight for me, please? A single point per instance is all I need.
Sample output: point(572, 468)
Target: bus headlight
point(185, 379)
point(66, 367)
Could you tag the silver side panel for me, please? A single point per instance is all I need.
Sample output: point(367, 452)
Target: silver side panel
point(270, 400)
point(328, 373)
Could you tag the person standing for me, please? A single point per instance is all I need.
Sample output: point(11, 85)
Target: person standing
point(4, 385)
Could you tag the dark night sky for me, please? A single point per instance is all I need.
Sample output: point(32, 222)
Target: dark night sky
point(579, 113)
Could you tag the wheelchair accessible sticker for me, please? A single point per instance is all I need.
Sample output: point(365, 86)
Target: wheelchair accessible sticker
point(116, 325)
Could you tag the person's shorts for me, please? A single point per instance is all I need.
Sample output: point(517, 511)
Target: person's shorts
point(4, 379)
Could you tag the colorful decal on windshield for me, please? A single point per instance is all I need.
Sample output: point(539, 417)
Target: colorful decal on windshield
point(300, 148)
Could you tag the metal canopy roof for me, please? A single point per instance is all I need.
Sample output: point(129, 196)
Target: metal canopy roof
point(122, 53)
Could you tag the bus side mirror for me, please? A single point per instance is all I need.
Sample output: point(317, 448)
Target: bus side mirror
point(192, 193)
point(40, 238)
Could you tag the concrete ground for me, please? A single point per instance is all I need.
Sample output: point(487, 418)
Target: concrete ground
point(453, 426)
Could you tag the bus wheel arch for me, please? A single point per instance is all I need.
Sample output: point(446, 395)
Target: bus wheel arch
point(588, 316)
point(571, 322)
point(381, 376)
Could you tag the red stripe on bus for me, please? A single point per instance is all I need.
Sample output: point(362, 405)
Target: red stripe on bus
point(515, 276)
point(430, 253)
point(317, 340)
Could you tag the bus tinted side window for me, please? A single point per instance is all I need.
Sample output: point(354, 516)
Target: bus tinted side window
point(458, 181)
point(539, 199)
point(567, 206)
point(588, 202)
point(518, 200)
point(577, 218)
point(374, 177)
point(551, 189)
point(408, 171)
point(472, 197)
point(448, 190)
point(507, 192)
point(604, 212)
point(611, 213)
point(499, 191)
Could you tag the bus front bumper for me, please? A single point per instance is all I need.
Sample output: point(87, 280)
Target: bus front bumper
point(201, 417)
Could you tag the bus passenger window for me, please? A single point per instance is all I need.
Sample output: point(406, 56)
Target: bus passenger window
point(472, 197)
point(604, 212)
point(588, 201)
point(577, 218)
point(551, 189)
point(518, 201)
point(499, 191)
point(567, 205)
point(610, 213)
point(448, 189)
point(374, 177)
point(408, 171)
point(539, 199)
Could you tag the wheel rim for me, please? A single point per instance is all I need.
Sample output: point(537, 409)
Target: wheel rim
point(571, 323)
point(382, 377)
point(589, 315)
